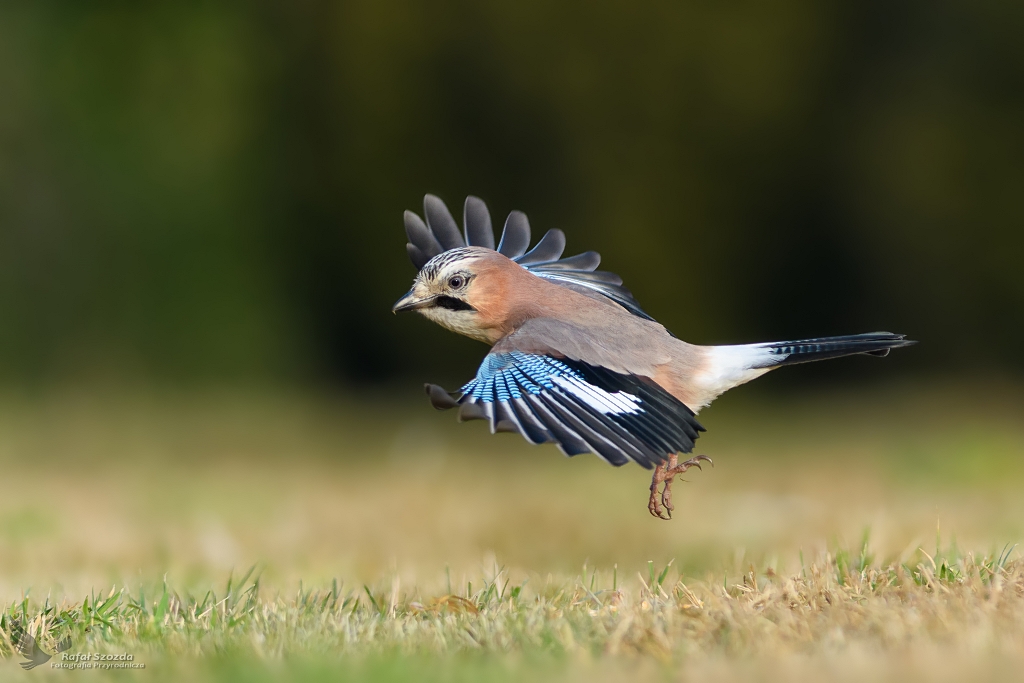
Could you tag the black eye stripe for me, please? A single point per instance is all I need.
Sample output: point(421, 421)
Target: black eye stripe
point(452, 304)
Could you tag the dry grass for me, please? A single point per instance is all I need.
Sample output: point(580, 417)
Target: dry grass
point(410, 547)
point(871, 617)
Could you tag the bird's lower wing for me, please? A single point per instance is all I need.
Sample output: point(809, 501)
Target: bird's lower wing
point(581, 407)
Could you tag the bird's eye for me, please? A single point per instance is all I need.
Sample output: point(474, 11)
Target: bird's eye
point(456, 281)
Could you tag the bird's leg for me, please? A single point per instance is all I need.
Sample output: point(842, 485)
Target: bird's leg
point(666, 472)
point(654, 505)
point(666, 495)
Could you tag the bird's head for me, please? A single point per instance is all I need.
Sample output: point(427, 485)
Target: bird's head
point(455, 290)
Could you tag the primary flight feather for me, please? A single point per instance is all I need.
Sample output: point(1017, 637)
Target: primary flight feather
point(574, 359)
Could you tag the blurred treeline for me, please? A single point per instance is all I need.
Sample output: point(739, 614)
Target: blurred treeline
point(213, 191)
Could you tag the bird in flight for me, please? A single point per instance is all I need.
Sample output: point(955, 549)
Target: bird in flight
point(574, 360)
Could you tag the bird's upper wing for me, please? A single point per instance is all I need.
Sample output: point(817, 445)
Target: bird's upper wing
point(583, 407)
point(439, 233)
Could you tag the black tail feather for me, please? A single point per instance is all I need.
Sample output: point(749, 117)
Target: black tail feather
point(807, 350)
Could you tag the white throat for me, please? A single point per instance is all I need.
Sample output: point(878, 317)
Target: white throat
point(460, 322)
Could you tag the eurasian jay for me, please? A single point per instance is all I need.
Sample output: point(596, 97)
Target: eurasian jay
point(574, 359)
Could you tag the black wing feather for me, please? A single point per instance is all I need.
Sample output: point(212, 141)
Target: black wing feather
point(621, 440)
point(441, 223)
point(476, 220)
point(532, 428)
point(420, 235)
point(611, 451)
point(416, 255)
point(567, 439)
point(515, 237)
point(550, 247)
point(582, 408)
point(585, 262)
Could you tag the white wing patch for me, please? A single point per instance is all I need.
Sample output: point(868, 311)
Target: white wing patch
point(605, 402)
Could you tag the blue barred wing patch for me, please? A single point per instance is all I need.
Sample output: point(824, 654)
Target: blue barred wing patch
point(580, 407)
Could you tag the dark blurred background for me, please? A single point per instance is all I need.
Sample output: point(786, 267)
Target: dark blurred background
point(195, 191)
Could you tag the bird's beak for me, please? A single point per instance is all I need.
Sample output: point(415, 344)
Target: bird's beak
point(411, 301)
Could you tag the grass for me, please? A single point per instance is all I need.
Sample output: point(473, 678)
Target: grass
point(389, 544)
point(838, 604)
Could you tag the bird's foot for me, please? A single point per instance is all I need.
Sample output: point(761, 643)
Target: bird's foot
point(660, 503)
point(654, 504)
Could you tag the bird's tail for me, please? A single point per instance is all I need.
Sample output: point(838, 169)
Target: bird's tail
point(807, 350)
point(725, 367)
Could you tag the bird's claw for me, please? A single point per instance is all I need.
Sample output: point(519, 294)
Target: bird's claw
point(695, 462)
point(656, 503)
point(660, 505)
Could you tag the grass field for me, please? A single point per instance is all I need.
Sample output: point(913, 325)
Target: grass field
point(836, 538)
